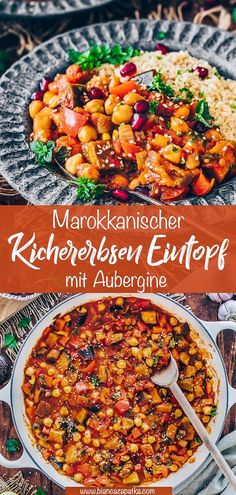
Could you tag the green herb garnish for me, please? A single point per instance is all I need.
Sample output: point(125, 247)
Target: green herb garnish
point(62, 154)
point(172, 344)
point(188, 94)
point(155, 360)
point(153, 106)
point(10, 341)
point(102, 54)
point(94, 380)
point(24, 322)
point(4, 59)
point(161, 35)
point(43, 152)
point(159, 85)
point(40, 491)
point(89, 189)
point(202, 113)
point(12, 445)
point(179, 72)
point(214, 412)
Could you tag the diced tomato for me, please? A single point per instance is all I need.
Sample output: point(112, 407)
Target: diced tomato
point(71, 122)
point(173, 193)
point(202, 185)
point(84, 469)
point(122, 406)
point(142, 327)
point(124, 88)
point(73, 73)
point(48, 380)
point(47, 331)
point(45, 430)
point(89, 369)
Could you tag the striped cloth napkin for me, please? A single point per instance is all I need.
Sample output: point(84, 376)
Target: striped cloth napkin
point(210, 480)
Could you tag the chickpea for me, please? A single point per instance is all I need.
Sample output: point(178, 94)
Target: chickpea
point(30, 371)
point(110, 103)
point(87, 133)
point(94, 106)
point(122, 114)
point(51, 99)
point(48, 422)
point(42, 119)
point(35, 107)
point(43, 135)
point(115, 81)
point(132, 98)
point(64, 411)
point(56, 393)
point(78, 477)
point(71, 166)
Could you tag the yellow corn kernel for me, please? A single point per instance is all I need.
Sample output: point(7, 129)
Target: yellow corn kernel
point(145, 427)
point(148, 463)
point(109, 412)
point(119, 301)
point(149, 362)
point(198, 365)
point(190, 397)
point(76, 436)
point(106, 136)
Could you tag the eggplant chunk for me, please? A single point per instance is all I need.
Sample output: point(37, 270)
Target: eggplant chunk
point(52, 356)
point(86, 354)
point(149, 317)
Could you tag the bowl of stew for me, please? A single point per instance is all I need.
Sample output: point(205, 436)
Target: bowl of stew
point(83, 403)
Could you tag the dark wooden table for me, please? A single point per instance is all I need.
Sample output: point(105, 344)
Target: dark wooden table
point(203, 308)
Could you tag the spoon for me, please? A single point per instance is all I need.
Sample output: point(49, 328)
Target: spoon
point(168, 377)
point(137, 194)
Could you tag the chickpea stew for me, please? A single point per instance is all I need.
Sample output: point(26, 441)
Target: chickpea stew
point(124, 129)
point(93, 410)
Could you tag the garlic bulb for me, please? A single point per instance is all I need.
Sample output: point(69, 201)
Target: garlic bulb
point(220, 297)
point(227, 310)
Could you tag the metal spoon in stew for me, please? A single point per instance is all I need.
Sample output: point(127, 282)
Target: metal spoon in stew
point(137, 194)
point(168, 377)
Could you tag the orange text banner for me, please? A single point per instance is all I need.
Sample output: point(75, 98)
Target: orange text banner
point(132, 490)
point(124, 248)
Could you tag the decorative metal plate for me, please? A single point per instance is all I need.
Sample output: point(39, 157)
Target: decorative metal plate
point(17, 163)
point(43, 8)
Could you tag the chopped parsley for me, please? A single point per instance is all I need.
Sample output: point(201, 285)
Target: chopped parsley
point(155, 360)
point(43, 152)
point(24, 322)
point(159, 85)
point(40, 491)
point(102, 54)
point(179, 72)
point(10, 341)
point(214, 412)
point(88, 190)
point(188, 94)
point(12, 445)
point(161, 35)
point(202, 113)
point(153, 106)
point(94, 380)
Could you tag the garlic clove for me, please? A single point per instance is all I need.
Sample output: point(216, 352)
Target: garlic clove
point(220, 296)
point(227, 310)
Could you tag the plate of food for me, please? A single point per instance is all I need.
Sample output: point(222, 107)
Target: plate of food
point(96, 118)
point(43, 8)
point(84, 405)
